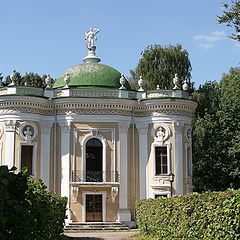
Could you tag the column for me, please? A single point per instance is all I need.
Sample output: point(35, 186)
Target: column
point(10, 143)
point(178, 156)
point(123, 213)
point(143, 158)
point(65, 164)
point(45, 152)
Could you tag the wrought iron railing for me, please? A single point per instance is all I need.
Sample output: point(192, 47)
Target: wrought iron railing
point(95, 176)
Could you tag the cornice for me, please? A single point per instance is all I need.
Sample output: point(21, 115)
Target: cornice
point(83, 106)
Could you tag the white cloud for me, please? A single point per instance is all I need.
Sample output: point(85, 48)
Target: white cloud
point(207, 41)
point(206, 45)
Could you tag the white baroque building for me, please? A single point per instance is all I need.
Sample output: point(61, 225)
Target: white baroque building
point(97, 142)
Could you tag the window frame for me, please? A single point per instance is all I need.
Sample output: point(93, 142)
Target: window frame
point(104, 150)
point(168, 145)
point(34, 157)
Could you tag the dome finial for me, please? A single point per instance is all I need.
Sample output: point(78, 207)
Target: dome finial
point(90, 39)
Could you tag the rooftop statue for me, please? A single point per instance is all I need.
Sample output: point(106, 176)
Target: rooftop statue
point(91, 37)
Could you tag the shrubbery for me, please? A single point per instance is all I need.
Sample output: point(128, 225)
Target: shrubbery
point(27, 209)
point(211, 215)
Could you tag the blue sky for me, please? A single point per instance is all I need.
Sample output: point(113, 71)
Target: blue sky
point(47, 36)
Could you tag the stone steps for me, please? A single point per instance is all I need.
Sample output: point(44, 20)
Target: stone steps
point(93, 226)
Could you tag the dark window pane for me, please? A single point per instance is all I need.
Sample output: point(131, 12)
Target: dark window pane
point(27, 157)
point(161, 160)
point(158, 195)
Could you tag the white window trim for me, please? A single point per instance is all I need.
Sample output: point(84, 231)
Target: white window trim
point(161, 193)
point(104, 203)
point(34, 158)
point(169, 167)
point(104, 146)
point(188, 146)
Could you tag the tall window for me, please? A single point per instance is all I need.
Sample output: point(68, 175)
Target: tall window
point(161, 161)
point(27, 157)
point(94, 161)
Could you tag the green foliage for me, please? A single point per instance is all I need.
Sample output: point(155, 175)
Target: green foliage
point(28, 80)
point(216, 134)
point(231, 16)
point(27, 210)
point(212, 215)
point(32, 80)
point(159, 64)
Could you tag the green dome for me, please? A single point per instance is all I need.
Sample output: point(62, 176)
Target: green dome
point(91, 75)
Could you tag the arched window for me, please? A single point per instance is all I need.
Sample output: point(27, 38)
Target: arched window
point(94, 160)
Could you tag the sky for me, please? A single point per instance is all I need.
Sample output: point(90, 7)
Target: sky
point(47, 36)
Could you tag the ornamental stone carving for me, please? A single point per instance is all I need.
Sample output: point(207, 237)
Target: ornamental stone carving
point(28, 131)
point(160, 132)
point(140, 84)
point(10, 125)
point(114, 193)
point(75, 191)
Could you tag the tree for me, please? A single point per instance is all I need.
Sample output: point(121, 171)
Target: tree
point(216, 134)
point(159, 64)
point(231, 16)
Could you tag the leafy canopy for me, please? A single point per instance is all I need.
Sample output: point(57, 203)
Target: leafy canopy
point(231, 16)
point(159, 64)
point(216, 134)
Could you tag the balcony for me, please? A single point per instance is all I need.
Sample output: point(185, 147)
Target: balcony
point(95, 176)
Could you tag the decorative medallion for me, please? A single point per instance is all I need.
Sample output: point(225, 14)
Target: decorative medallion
point(28, 131)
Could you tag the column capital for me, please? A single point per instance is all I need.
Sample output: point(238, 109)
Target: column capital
point(65, 126)
point(45, 126)
point(178, 127)
point(10, 125)
point(123, 127)
point(142, 128)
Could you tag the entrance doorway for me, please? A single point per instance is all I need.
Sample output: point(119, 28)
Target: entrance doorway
point(94, 211)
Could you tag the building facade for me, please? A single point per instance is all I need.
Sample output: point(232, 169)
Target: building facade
point(99, 143)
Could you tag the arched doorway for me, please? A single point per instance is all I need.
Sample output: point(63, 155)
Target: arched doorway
point(94, 160)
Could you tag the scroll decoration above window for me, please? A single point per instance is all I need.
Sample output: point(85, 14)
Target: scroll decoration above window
point(28, 131)
point(160, 132)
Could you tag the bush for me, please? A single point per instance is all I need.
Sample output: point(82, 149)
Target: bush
point(27, 210)
point(212, 215)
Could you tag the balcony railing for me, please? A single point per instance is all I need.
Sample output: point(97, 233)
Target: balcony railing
point(95, 176)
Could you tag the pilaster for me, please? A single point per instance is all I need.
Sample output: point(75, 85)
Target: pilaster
point(143, 158)
point(178, 156)
point(124, 214)
point(45, 152)
point(65, 164)
point(10, 128)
